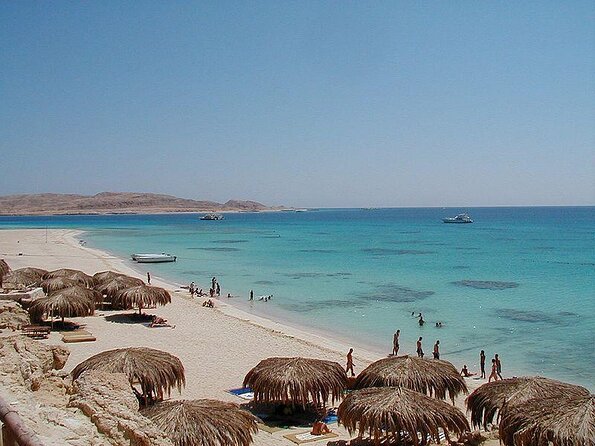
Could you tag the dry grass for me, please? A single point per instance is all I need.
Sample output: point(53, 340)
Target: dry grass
point(156, 371)
point(203, 422)
point(296, 381)
point(141, 296)
point(399, 414)
point(429, 376)
point(486, 401)
point(562, 420)
point(76, 275)
point(59, 304)
point(116, 284)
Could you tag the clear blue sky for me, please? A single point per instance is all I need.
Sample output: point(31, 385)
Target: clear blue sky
point(304, 103)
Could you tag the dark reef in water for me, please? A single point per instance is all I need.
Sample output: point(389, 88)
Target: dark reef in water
point(315, 275)
point(486, 284)
point(218, 249)
point(318, 251)
point(398, 252)
point(330, 304)
point(391, 292)
point(229, 241)
point(264, 282)
point(534, 316)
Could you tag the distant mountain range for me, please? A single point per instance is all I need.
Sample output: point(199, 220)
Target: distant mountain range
point(116, 203)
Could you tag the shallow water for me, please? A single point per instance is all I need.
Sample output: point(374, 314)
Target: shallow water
point(518, 281)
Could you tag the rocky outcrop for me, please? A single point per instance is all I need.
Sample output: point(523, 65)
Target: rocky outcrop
point(12, 315)
point(108, 400)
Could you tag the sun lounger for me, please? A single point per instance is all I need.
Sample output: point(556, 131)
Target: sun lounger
point(36, 331)
point(77, 336)
point(245, 393)
point(307, 437)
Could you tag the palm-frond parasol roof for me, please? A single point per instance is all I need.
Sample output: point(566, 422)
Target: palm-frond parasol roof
point(57, 283)
point(111, 287)
point(486, 401)
point(399, 413)
point(203, 422)
point(430, 376)
point(141, 296)
point(18, 279)
point(73, 274)
point(60, 305)
point(4, 268)
point(105, 276)
point(156, 371)
point(559, 420)
point(38, 273)
point(79, 291)
point(296, 380)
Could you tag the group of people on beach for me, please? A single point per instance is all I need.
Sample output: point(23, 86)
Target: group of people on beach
point(262, 298)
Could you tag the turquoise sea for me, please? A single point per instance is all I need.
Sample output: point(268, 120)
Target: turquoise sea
point(519, 281)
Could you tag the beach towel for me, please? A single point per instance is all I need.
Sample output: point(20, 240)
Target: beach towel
point(307, 437)
point(245, 393)
point(77, 336)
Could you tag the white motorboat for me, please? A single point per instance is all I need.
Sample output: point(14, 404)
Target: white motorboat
point(212, 217)
point(153, 258)
point(461, 218)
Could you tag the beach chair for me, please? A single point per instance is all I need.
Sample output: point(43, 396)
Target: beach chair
point(69, 337)
point(36, 331)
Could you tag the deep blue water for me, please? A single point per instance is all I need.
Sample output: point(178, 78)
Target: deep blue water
point(518, 281)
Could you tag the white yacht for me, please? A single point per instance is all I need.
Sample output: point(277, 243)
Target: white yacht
point(461, 218)
point(153, 258)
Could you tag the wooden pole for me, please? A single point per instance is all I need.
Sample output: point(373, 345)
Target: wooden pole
point(18, 430)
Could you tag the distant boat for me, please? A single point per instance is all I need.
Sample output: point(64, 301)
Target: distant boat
point(153, 258)
point(461, 218)
point(212, 217)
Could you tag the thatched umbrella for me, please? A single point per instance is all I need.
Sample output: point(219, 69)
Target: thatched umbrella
point(4, 269)
point(486, 401)
point(57, 283)
point(296, 381)
point(105, 276)
point(385, 412)
point(563, 421)
point(430, 376)
point(57, 304)
point(77, 290)
point(119, 283)
point(156, 372)
point(203, 422)
point(35, 272)
point(73, 274)
point(141, 296)
point(19, 279)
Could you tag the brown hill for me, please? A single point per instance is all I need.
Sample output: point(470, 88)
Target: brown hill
point(115, 203)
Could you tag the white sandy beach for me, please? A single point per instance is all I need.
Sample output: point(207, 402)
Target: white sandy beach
point(217, 346)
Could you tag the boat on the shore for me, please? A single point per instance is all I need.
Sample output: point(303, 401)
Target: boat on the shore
point(461, 218)
point(153, 258)
point(212, 217)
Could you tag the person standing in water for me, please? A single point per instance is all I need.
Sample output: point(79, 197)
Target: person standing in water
point(498, 366)
point(420, 352)
point(437, 350)
point(148, 278)
point(218, 290)
point(349, 367)
point(482, 364)
point(396, 342)
point(251, 295)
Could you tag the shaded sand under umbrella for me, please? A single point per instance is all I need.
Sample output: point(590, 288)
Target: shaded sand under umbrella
point(429, 376)
point(105, 276)
point(296, 381)
point(58, 304)
point(141, 296)
point(156, 371)
point(19, 279)
point(54, 284)
point(203, 422)
point(562, 420)
point(399, 414)
point(486, 401)
point(112, 287)
point(73, 274)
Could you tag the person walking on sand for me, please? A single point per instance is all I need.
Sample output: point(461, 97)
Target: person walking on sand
point(437, 350)
point(482, 364)
point(251, 295)
point(498, 366)
point(494, 373)
point(420, 352)
point(396, 342)
point(148, 278)
point(349, 367)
